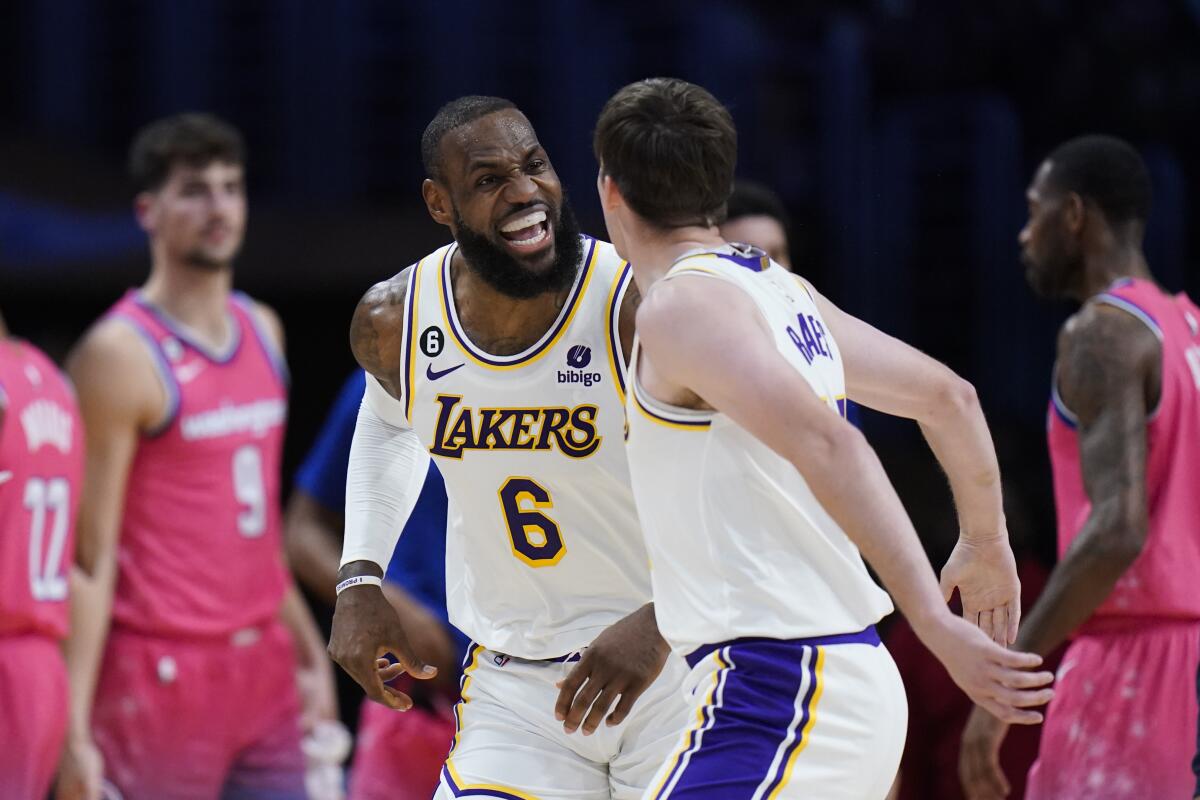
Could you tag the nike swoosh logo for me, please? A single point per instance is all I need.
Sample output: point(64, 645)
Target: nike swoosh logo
point(434, 375)
point(5, 476)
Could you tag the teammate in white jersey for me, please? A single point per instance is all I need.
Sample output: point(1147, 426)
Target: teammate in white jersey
point(756, 496)
point(503, 356)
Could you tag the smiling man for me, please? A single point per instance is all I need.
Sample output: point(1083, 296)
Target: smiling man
point(503, 355)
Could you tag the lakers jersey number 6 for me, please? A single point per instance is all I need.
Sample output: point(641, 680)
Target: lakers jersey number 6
point(543, 548)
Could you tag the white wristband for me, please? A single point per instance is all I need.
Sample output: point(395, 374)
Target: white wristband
point(358, 580)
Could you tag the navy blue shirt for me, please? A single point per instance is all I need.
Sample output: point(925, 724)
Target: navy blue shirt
point(419, 562)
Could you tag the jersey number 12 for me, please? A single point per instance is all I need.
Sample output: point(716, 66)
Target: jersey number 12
point(47, 500)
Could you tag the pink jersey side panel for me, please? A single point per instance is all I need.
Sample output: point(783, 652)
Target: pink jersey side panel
point(200, 552)
point(1162, 581)
point(41, 472)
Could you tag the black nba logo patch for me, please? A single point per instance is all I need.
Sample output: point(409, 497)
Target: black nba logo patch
point(578, 358)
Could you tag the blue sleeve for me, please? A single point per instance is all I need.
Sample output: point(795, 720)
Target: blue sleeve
point(323, 473)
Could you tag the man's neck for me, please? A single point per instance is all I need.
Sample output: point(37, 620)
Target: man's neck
point(1103, 268)
point(3, 329)
point(197, 298)
point(653, 251)
point(498, 323)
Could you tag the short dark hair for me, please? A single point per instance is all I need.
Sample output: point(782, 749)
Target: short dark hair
point(453, 115)
point(753, 199)
point(671, 148)
point(194, 138)
point(1106, 170)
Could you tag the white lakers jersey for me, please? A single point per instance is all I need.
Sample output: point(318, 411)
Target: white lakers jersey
point(740, 546)
point(543, 547)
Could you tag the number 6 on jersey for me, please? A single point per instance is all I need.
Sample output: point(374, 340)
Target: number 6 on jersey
point(536, 538)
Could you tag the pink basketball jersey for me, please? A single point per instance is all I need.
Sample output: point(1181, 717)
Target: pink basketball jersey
point(41, 472)
point(1162, 581)
point(200, 552)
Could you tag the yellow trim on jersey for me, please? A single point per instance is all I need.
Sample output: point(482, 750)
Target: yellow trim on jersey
point(805, 734)
point(685, 747)
point(462, 697)
point(458, 726)
point(612, 341)
point(415, 288)
point(507, 791)
point(460, 339)
point(804, 285)
point(650, 414)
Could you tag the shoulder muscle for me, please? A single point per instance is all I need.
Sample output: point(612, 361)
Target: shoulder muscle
point(377, 330)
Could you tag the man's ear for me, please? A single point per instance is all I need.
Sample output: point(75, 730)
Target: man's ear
point(145, 211)
point(610, 195)
point(1074, 212)
point(437, 201)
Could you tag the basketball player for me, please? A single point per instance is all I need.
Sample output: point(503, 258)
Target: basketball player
point(502, 356)
point(1123, 428)
point(756, 496)
point(187, 630)
point(41, 470)
point(397, 756)
point(756, 216)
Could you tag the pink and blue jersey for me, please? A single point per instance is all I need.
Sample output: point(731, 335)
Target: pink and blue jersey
point(200, 551)
point(1161, 583)
point(41, 473)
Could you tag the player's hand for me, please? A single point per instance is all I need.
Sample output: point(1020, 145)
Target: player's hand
point(426, 632)
point(318, 692)
point(365, 627)
point(985, 574)
point(621, 663)
point(80, 770)
point(979, 757)
point(999, 680)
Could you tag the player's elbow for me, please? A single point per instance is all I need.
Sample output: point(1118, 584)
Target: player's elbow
point(829, 442)
point(957, 396)
point(1121, 536)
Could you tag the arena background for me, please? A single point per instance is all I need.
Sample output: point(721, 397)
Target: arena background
point(900, 133)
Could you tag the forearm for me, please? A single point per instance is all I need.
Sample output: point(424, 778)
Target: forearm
point(387, 468)
point(850, 484)
point(958, 435)
point(91, 609)
point(1081, 582)
point(306, 638)
point(312, 547)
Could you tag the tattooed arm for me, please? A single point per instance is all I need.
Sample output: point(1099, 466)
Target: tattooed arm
point(1109, 375)
point(384, 476)
point(377, 330)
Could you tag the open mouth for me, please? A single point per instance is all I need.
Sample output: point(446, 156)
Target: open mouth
point(528, 232)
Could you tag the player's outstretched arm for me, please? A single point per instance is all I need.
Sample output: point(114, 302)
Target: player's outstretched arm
point(384, 476)
point(888, 375)
point(700, 335)
point(1109, 375)
point(119, 396)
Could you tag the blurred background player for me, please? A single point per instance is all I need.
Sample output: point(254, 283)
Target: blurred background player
point(757, 216)
point(754, 522)
point(188, 630)
point(41, 474)
point(1123, 431)
point(398, 756)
